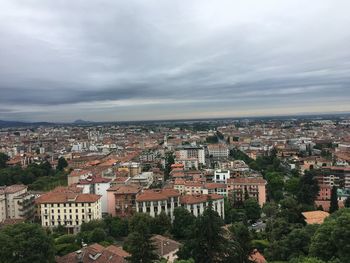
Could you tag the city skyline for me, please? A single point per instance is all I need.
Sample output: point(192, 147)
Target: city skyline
point(119, 61)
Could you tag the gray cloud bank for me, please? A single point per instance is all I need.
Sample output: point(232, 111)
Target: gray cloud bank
point(133, 60)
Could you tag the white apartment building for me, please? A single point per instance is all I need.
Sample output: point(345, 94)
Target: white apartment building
point(98, 186)
point(196, 204)
point(154, 201)
point(221, 176)
point(68, 209)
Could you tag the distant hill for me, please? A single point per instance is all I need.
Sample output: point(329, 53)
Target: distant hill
point(82, 122)
point(9, 124)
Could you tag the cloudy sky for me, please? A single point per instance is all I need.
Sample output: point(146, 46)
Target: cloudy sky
point(164, 59)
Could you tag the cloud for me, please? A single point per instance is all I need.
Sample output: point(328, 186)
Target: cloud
point(63, 60)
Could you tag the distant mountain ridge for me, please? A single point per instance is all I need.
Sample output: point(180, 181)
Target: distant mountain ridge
point(8, 124)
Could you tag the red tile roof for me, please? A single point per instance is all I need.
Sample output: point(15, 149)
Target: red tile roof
point(157, 194)
point(196, 199)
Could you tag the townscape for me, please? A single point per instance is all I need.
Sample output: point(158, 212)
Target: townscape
point(219, 190)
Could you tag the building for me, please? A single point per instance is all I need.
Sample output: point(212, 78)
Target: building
point(98, 186)
point(132, 168)
point(96, 253)
point(144, 179)
point(68, 209)
point(165, 247)
point(221, 176)
point(254, 187)
point(215, 188)
point(315, 217)
point(195, 154)
point(122, 200)
point(218, 151)
point(196, 204)
point(16, 203)
point(154, 201)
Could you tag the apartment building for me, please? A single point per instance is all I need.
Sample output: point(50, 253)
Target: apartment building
point(68, 209)
point(218, 151)
point(16, 203)
point(190, 153)
point(221, 176)
point(122, 200)
point(154, 201)
point(196, 204)
point(254, 187)
point(98, 186)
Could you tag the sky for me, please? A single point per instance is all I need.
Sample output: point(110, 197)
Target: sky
point(146, 60)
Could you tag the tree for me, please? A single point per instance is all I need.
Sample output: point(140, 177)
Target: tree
point(22, 243)
point(241, 242)
point(347, 202)
point(334, 200)
point(3, 159)
point(161, 224)
point(270, 209)
point(252, 209)
point(97, 235)
point(116, 226)
point(308, 188)
point(275, 185)
point(183, 223)
point(332, 238)
point(140, 245)
point(207, 243)
point(292, 186)
point(62, 163)
point(169, 160)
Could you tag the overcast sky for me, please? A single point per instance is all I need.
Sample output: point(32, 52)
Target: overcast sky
point(135, 60)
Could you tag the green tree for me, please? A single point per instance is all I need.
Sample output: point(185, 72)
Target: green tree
point(62, 163)
point(308, 188)
point(252, 209)
point(207, 243)
point(334, 200)
point(347, 202)
point(183, 223)
point(140, 245)
point(270, 209)
point(241, 245)
point(97, 235)
point(169, 160)
point(161, 224)
point(3, 159)
point(116, 226)
point(306, 260)
point(292, 186)
point(275, 185)
point(332, 238)
point(22, 243)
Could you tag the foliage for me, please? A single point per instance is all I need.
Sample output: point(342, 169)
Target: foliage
point(252, 209)
point(161, 224)
point(334, 200)
point(206, 243)
point(62, 163)
point(332, 238)
point(21, 243)
point(308, 188)
point(139, 243)
point(3, 159)
point(183, 223)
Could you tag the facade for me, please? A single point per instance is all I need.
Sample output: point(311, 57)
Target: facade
point(16, 203)
point(190, 153)
point(221, 176)
point(98, 186)
point(154, 201)
point(122, 200)
point(68, 209)
point(143, 179)
point(254, 187)
point(218, 151)
point(196, 204)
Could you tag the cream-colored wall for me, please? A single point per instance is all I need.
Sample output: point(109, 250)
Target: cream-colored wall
point(76, 209)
